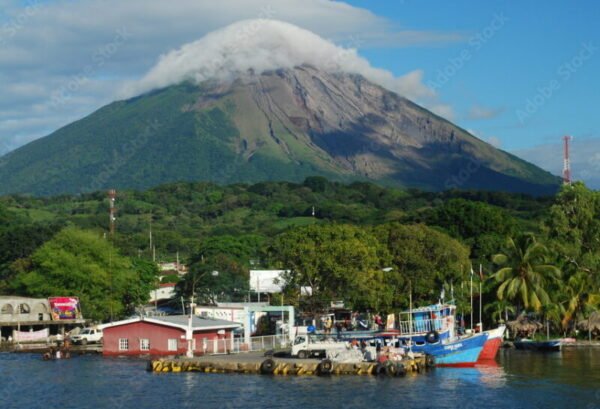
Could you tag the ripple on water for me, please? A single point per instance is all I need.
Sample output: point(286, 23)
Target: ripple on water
point(518, 380)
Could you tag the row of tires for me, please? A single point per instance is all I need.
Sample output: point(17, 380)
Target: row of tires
point(325, 367)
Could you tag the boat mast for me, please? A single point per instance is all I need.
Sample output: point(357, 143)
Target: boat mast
point(410, 316)
point(480, 298)
point(471, 299)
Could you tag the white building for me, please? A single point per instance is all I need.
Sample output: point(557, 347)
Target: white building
point(267, 281)
point(234, 312)
point(165, 291)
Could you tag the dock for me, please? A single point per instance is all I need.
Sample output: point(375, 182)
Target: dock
point(252, 363)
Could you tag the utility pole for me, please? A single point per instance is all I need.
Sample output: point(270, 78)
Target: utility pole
point(112, 196)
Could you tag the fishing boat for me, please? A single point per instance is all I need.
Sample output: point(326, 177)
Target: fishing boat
point(459, 352)
point(493, 343)
point(431, 330)
point(551, 345)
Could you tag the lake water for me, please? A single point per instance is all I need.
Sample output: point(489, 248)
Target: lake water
point(520, 379)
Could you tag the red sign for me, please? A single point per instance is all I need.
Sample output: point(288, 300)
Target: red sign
point(64, 308)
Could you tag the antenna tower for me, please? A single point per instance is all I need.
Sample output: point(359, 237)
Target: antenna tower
point(566, 161)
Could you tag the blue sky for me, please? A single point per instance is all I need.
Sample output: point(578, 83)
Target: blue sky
point(515, 55)
point(516, 74)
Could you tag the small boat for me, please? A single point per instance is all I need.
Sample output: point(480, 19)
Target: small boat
point(551, 345)
point(493, 343)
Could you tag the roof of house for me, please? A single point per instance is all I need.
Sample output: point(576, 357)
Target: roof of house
point(179, 321)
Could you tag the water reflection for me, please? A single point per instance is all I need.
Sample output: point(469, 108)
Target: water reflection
point(517, 380)
point(489, 374)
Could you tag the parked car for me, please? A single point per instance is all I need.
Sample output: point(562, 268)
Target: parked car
point(87, 336)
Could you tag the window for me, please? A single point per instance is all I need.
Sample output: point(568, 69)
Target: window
point(172, 346)
point(193, 344)
point(6, 309)
point(123, 344)
point(24, 309)
point(144, 344)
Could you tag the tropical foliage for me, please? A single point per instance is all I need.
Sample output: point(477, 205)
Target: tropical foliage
point(362, 243)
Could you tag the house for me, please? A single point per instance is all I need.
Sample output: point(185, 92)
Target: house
point(166, 335)
point(165, 291)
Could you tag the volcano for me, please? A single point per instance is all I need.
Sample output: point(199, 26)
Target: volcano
point(274, 124)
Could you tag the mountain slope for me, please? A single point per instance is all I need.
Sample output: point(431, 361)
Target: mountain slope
point(280, 125)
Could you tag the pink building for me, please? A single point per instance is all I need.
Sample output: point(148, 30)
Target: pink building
point(167, 336)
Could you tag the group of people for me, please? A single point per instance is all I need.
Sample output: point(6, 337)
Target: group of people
point(356, 323)
point(59, 352)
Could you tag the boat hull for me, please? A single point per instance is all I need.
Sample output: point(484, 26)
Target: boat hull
point(544, 346)
point(493, 344)
point(463, 352)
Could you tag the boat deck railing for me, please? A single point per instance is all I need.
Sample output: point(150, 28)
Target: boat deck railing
point(423, 326)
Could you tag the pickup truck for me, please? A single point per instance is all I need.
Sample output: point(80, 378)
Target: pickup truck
point(309, 345)
point(87, 336)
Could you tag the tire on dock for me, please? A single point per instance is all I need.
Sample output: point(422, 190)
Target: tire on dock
point(391, 369)
point(267, 367)
point(430, 361)
point(379, 369)
point(325, 367)
point(400, 369)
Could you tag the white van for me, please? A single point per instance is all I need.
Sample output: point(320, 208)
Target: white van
point(87, 336)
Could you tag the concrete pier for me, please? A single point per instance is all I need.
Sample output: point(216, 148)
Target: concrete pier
point(258, 364)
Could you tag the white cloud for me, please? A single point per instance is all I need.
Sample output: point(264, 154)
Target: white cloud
point(443, 110)
point(57, 41)
point(480, 112)
point(494, 141)
point(261, 45)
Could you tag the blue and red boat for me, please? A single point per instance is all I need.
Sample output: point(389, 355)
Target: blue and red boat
point(432, 330)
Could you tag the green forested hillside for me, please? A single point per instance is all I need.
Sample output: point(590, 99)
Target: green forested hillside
point(265, 130)
point(358, 242)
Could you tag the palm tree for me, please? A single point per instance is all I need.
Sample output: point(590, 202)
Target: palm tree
point(580, 296)
point(524, 273)
point(499, 310)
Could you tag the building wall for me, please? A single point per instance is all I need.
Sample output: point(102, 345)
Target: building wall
point(159, 336)
point(15, 309)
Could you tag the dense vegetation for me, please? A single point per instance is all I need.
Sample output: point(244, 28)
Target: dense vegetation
point(362, 243)
point(211, 133)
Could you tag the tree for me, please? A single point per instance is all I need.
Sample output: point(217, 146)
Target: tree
point(218, 276)
point(525, 274)
point(573, 229)
point(81, 263)
point(425, 257)
point(580, 296)
point(339, 262)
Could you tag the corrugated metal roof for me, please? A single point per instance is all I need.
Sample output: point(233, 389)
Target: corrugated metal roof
point(197, 322)
point(179, 321)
